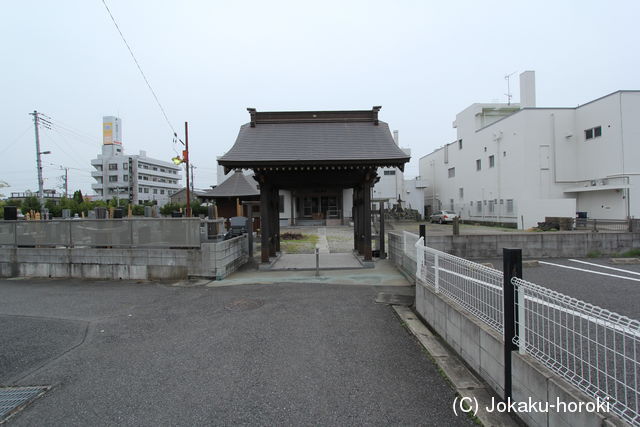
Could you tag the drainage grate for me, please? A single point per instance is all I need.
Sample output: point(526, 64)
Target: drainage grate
point(244, 304)
point(13, 399)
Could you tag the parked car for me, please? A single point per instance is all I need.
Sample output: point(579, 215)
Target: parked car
point(443, 216)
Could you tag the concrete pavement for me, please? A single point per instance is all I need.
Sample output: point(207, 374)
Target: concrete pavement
point(148, 354)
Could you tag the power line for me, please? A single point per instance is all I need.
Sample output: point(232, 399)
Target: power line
point(139, 68)
point(13, 141)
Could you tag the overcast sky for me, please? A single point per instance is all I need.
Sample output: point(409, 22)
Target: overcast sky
point(423, 61)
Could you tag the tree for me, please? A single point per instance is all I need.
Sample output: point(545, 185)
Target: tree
point(30, 203)
point(54, 209)
point(169, 208)
point(77, 196)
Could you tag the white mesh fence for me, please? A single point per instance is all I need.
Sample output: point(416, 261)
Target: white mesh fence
point(594, 349)
point(410, 240)
point(473, 286)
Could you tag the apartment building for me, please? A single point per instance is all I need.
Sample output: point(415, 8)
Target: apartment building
point(517, 163)
point(135, 177)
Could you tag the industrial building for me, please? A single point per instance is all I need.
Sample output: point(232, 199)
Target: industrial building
point(519, 163)
point(135, 177)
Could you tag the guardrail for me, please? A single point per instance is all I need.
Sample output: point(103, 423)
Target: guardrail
point(128, 232)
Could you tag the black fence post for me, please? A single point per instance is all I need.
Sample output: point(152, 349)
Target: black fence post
point(423, 233)
point(512, 267)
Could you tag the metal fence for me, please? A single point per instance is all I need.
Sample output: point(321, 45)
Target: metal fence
point(594, 349)
point(593, 224)
point(473, 286)
point(129, 232)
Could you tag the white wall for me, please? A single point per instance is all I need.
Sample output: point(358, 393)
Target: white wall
point(533, 211)
point(540, 153)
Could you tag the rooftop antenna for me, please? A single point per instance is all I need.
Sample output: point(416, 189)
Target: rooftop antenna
point(508, 94)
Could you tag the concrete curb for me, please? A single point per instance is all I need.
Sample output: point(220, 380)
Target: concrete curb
point(462, 379)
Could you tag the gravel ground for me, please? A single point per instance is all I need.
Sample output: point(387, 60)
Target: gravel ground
point(122, 353)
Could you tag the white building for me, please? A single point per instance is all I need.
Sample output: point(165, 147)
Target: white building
point(135, 177)
point(519, 163)
point(392, 184)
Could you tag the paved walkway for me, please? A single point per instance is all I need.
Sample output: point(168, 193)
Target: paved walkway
point(149, 354)
point(323, 243)
point(383, 274)
point(308, 261)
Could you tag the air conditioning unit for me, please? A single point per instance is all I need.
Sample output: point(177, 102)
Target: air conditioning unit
point(593, 182)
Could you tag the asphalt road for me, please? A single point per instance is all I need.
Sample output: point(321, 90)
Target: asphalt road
point(594, 282)
point(155, 354)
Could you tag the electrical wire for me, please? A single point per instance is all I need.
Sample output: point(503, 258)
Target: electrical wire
point(13, 141)
point(140, 69)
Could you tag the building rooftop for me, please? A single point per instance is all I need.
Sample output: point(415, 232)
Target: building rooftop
point(314, 137)
point(237, 185)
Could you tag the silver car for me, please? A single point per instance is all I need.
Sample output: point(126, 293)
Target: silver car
point(443, 216)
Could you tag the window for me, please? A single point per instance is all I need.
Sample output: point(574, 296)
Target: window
point(491, 206)
point(459, 144)
point(392, 172)
point(113, 166)
point(478, 164)
point(492, 161)
point(125, 166)
point(146, 190)
point(98, 167)
point(161, 169)
point(99, 179)
point(504, 154)
point(155, 191)
point(593, 133)
point(139, 189)
point(509, 205)
point(113, 178)
point(479, 206)
point(446, 154)
point(461, 192)
point(281, 203)
point(161, 191)
point(597, 131)
point(452, 172)
point(125, 178)
point(155, 168)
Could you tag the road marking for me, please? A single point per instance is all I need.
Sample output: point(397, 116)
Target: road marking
point(590, 271)
point(605, 266)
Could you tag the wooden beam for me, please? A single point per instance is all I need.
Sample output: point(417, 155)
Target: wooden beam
point(264, 219)
point(366, 214)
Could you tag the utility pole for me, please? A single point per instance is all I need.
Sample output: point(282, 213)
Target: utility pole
point(192, 180)
point(38, 160)
point(66, 182)
point(186, 162)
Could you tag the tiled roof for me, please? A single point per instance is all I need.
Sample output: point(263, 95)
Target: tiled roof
point(319, 139)
point(235, 186)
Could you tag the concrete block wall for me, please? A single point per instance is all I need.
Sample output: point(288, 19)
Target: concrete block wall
point(536, 245)
point(478, 345)
point(216, 260)
point(482, 349)
point(223, 258)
